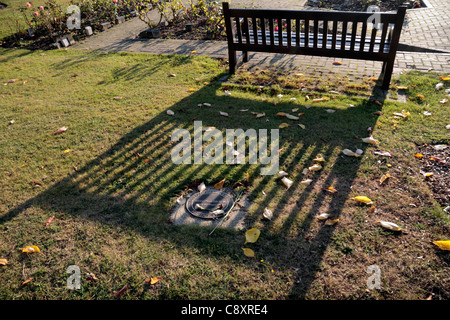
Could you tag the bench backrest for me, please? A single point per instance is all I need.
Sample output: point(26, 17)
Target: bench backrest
point(327, 33)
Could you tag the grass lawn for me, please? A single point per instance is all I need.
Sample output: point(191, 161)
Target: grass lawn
point(110, 185)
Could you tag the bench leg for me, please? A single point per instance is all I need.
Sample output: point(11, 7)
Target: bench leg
point(245, 57)
point(388, 67)
point(232, 61)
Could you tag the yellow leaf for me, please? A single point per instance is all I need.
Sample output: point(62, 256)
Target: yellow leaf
point(384, 178)
point(370, 140)
point(315, 167)
point(283, 125)
point(420, 96)
point(252, 235)
point(331, 222)
point(31, 249)
point(281, 114)
point(443, 245)
point(3, 262)
point(219, 184)
point(445, 78)
point(402, 87)
point(67, 150)
point(153, 280)
point(26, 281)
point(249, 252)
point(319, 159)
point(192, 90)
point(418, 155)
point(363, 199)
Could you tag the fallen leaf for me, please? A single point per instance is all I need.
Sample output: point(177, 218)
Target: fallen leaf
point(402, 87)
point(384, 178)
point(319, 159)
point(302, 126)
point(252, 235)
point(223, 113)
point(219, 184)
point(389, 225)
point(170, 112)
point(289, 116)
point(418, 155)
point(443, 245)
point(171, 75)
point(60, 130)
point(120, 292)
point(281, 174)
point(306, 182)
point(153, 280)
point(363, 199)
point(49, 220)
point(382, 153)
point(420, 96)
point(315, 167)
point(68, 150)
point(201, 187)
point(331, 222)
point(330, 190)
point(267, 214)
point(3, 262)
point(287, 182)
point(249, 252)
point(323, 216)
point(445, 78)
point(118, 98)
point(370, 140)
point(27, 281)
point(283, 125)
point(337, 63)
point(372, 209)
point(330, 110)
point(350, 153)
point(91, 277)
point(191, 90)
point(31, 249)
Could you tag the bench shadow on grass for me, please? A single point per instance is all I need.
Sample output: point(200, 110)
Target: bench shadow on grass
point(134, 183)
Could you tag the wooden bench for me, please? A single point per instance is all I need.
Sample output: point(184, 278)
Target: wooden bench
point(338, 34)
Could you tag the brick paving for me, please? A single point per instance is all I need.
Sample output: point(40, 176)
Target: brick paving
point(425, 28)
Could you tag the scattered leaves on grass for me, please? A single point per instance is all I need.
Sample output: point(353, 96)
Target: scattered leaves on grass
point(370, 140)
point(31, 249)
point(315, 167)
point(60, 130)
point(267, 214)
point(248, 252)
point(384, 178)
point(443, 245)
point(287, 182)
point(330, 190)
point(252, 235)
point(363, 199)
point(219, 184)
point(306, 182)
point(350, 153)
point(49, 221)
point(27, 281)
point(323, 216)
point(330, 222)
point(153, 280)
point(389, 225)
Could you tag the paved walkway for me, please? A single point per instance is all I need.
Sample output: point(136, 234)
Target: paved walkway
point(424, 28)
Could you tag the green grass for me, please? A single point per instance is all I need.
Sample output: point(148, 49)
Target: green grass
point(112, 195)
